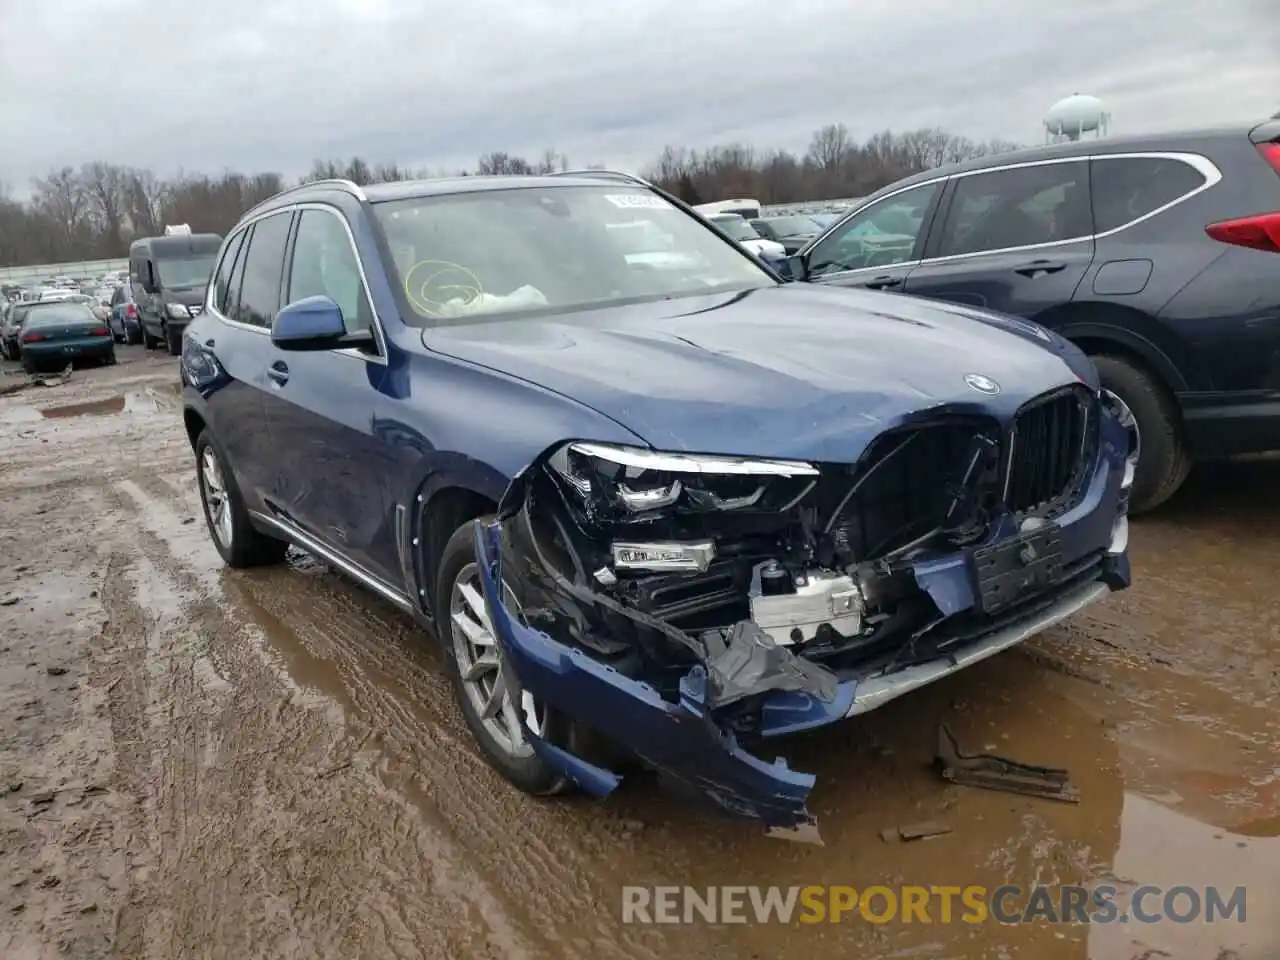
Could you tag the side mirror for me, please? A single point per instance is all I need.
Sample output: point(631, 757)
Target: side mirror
point(794, 267)
point(313, 323)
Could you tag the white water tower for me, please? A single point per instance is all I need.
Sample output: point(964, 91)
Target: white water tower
point(1074, 116)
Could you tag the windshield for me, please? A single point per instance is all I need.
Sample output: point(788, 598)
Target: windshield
point(736, 227)
point(185, 272)
point(546, 249)
point(796, 226)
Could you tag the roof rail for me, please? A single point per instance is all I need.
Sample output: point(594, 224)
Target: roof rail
point(604, 175)
point(350, 186)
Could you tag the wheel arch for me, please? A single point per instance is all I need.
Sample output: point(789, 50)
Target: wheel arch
point(1122, 331)
point(194, 423)
point(443, 502)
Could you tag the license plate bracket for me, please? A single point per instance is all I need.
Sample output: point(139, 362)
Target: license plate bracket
point(1005, 572)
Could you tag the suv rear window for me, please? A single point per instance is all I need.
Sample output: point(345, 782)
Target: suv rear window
point(1127, 188)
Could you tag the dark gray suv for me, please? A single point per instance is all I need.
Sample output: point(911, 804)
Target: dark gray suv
point(1156, 254)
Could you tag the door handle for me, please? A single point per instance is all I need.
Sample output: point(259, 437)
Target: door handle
point(1040, 268)
point(279, 373)
point(884, 283)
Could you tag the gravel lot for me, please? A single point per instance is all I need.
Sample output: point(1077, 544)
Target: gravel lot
point(201, 763)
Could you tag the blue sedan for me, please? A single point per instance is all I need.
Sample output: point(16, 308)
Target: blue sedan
point(661, 513)
point(56, 334)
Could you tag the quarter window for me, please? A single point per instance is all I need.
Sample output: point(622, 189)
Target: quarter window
point(222, 279)
point(1126, 188)
point(263, 266)
point(881, 235)
point(1021, 207)
point(324, 264)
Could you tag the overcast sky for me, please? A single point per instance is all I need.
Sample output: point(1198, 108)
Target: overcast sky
point(273, 84)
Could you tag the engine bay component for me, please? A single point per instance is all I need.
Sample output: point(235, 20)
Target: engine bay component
point(663, 556)
point(818, 598)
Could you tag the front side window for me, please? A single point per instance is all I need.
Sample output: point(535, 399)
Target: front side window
point(542, 249)
point(881, 235)
point(1020, 207)
point(324, 264)
point(263, 268)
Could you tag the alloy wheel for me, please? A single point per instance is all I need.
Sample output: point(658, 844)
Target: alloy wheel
point(217, 501)
point(479, 659)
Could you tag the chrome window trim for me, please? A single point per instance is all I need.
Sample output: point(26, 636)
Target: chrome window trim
point(1200, 163)
point(375, 326)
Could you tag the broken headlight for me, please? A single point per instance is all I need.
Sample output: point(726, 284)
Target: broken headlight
point(625, 483)
point(624, 490)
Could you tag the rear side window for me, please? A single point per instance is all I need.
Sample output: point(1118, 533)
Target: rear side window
point(263, 267)
point(1127, 188)
point(222, 279)
point(1020, 207)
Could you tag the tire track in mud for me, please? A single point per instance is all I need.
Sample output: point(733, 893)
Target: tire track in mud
point(122, 645)
point(386, 672)
point(271, 832)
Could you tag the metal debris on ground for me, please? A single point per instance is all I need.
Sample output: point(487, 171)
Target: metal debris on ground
point(998, 773)
point(914, 831)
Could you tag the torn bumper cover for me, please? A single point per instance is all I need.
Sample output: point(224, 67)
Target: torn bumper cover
point(584, 647)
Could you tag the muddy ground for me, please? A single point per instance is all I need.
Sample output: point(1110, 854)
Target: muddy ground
point(201, 763)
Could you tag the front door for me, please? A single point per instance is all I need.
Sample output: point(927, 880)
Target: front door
point(1017, 240)
point(877, 247)
point(324, 406)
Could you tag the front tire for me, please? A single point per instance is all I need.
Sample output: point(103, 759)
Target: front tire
point(1165, 458)
point(173, 340)
point(486, 690)
point(233, 534)
point(148, 341)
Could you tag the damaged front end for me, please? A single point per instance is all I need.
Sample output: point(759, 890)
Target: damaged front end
point(687, 607)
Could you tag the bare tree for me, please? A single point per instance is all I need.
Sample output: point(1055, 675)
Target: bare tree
point(97, 211)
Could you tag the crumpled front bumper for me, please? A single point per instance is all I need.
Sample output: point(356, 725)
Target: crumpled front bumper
point(684, 738)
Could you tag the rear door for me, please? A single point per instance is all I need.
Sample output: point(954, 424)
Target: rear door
point(1015, 239)
point(246, 291)
point(879, 246)
point(323, 408)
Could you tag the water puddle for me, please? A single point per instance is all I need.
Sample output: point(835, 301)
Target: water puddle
point(93, 408)
point(134, 402)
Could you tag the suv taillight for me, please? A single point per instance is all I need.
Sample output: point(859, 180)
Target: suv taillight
point(1259, 232)
point(130, 310)
point(1271, 153)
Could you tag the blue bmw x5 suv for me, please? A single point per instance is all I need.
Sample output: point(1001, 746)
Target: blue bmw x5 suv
point(656, 504)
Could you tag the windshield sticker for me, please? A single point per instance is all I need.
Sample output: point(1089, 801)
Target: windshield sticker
point(637, 201)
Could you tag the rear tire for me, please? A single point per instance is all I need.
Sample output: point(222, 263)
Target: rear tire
point(1165, 458)
point(238, 542)
point(29, 364)
point(527, 771)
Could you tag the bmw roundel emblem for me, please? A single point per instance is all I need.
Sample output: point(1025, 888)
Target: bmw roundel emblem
point(977, 381)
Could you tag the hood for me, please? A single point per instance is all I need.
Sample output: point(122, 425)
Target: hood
point(794, 371)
